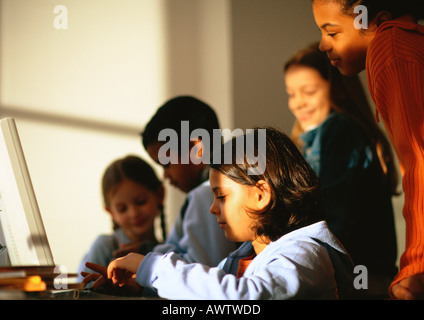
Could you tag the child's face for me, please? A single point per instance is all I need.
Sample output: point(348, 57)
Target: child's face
point(134, 207)
point(309, 95)
point(229, 206)
point(182, 176)
point(346, 46)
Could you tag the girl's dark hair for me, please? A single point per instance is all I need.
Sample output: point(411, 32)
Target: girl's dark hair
point(135, 169)
point(397, 8)
point(295, 191)
point(348, 97)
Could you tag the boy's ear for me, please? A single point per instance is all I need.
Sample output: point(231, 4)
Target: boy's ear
point(263, 194)
point(196, 149)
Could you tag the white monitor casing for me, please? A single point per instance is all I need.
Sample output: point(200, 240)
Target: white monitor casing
point(22, 235)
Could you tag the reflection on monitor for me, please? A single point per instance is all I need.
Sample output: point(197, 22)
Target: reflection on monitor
point(23, 240)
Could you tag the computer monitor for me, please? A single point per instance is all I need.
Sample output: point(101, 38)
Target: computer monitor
point(23, 239)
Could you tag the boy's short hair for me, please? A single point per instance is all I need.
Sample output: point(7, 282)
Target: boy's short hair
point(170, 115)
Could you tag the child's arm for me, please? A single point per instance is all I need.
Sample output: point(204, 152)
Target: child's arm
point(123, 269)
point(304, 272)
point(409, 288)
point(400, 101)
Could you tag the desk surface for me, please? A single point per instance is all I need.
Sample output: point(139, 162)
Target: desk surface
point(73, 294)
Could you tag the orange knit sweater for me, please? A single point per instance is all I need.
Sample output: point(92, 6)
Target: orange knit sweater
point(395, 72)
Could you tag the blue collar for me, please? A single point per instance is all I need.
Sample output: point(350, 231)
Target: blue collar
point(309, 136)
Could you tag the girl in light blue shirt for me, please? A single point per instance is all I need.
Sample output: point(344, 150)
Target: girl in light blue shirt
point(133, 196)
point(288, 251)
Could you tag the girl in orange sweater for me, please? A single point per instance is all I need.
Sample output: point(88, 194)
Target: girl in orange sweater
point(383, 37)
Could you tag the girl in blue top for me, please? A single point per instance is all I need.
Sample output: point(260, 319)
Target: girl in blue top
point(133, 196)
point(338, 136)
point(288, 250)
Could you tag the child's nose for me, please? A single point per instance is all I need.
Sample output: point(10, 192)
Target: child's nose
point(133, 211)
point(214, 209)
point(324, 46)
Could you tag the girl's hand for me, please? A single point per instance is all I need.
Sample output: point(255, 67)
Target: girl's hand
point(121, 270)
point(102, 282)
point(409, 288)
point(99, 276)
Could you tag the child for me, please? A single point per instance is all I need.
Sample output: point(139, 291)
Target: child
point(288, 251)
point(133, 196)
point(351, 156)
point(195, 236)
point(390, 48)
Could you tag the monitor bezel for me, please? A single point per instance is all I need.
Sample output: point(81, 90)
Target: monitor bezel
point(37, 240)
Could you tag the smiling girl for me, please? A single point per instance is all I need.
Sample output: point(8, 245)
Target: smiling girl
point(133, 196)
point(287, 251)
point(340, 139)
point(391, 50)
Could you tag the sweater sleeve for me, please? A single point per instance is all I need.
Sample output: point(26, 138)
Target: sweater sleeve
point(398, 92)
point(295, 269)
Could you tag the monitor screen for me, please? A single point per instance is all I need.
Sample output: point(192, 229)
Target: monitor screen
point(23, 240)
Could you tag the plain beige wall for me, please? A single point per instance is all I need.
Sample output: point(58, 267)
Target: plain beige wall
point(265, 34)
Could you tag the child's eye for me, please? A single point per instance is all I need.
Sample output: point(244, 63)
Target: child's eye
point(140, 202)
point(220, 197)
point(331, 34)
point(121, 209)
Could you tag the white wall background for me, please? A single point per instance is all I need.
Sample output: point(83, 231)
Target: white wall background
point(80, 96)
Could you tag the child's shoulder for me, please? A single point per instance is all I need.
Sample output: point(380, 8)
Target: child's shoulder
point(105, 240)
point(341, 126)
point(201, 197)
point(314, 235)
point(396, 39)
point(112, 240)
point(202, 189)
